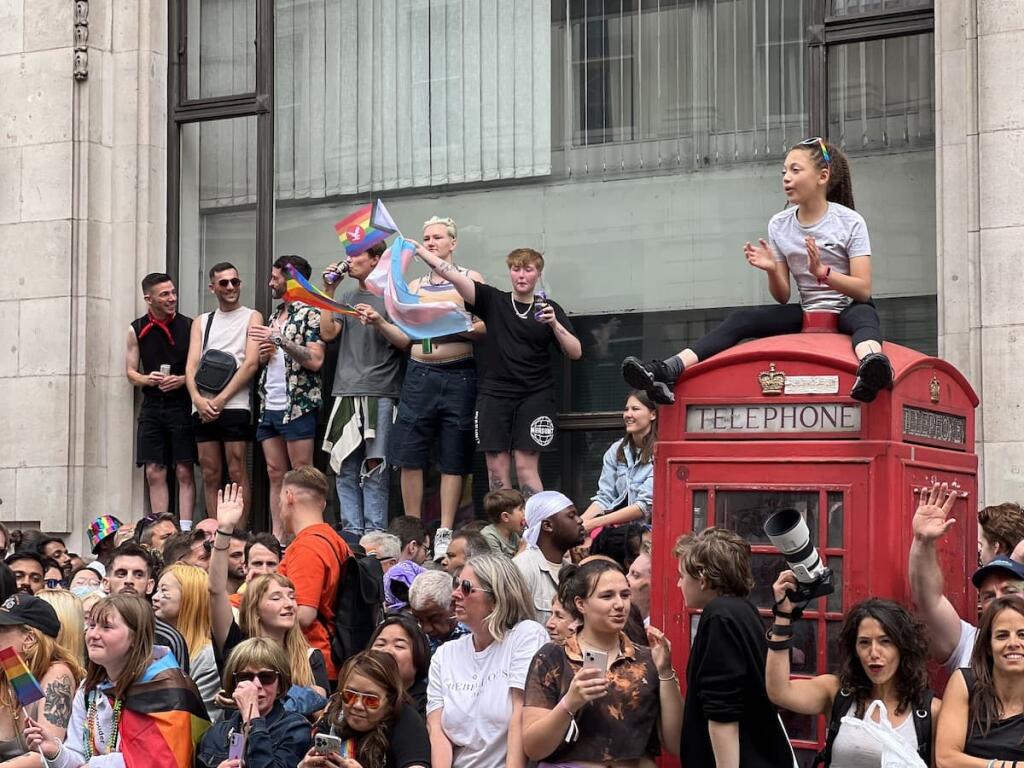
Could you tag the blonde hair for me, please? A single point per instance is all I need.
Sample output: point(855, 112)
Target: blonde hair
point(512, 603)
point(72, 621)
point(40, 659)
point(295, 646)
point(258, 652)
point(193, 620)
point(137, 615)
point(522, 257)
point(447, 223)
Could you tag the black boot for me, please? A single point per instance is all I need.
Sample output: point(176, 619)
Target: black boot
point(873, 375)
point(653, 378)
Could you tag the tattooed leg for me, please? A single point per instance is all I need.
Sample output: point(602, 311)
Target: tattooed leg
point(499, 471)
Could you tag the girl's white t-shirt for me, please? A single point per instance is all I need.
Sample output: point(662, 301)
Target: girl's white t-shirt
point(474, 691)
point(841, 235)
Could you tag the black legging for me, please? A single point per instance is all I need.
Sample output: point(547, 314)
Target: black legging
point(859, 321)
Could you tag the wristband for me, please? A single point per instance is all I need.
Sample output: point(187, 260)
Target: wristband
point(224, 533)
point(780, 630)
point(792, 615)
point(221, 549)
point(670, 678)
point(824, 278)
point(779, 645)
point(561, 703)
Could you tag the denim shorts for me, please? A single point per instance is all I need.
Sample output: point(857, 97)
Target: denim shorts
point(272, 425)
point(436, 407)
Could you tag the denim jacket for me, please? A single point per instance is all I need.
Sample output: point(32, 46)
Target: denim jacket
point(625, 483)
point(278, 740)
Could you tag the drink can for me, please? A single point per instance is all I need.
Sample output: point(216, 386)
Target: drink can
point(165, 370)
point(334, 275)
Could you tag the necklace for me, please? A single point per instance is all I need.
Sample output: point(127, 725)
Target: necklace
point(93, 737)
point(524, 315)
point(444, 280)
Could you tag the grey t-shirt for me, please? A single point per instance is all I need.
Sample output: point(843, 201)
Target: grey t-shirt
point(841, 235)
point(367, 363)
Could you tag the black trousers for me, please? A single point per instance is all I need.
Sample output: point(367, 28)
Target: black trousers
point(859, 321)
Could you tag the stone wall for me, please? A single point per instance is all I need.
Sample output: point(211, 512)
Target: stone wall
point(82, 216)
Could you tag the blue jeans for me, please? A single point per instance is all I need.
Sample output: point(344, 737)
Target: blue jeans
point(362, 492)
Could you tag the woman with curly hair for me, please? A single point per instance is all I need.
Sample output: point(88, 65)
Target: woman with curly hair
point(377, 723)
point(982, 719)
point(883, 655)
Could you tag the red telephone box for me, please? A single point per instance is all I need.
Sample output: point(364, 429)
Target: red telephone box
point(768, 425)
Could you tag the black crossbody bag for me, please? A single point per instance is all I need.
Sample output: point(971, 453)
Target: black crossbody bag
point(216, 367)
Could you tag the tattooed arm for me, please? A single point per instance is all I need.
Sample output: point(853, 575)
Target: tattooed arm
point(52, 714)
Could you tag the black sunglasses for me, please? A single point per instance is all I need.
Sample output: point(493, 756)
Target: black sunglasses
point(53, 583)
point(466, 588)
point(234, 282)
point(265, 676)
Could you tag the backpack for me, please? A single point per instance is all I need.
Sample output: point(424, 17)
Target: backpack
point(358, 605)
point(922, 716)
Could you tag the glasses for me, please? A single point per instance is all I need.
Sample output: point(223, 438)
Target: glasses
point(370, 700)
point(820, 142)
point(467, 588)
point(53, 583)
point(234, 282)
point(265, 676)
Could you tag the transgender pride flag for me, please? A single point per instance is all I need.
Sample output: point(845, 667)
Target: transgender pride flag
point(417, 319)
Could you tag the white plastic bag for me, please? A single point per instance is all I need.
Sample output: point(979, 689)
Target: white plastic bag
point(896, 753)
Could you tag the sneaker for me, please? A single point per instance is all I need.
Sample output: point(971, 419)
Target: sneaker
point(442, 539)
point(653, 378)
point(873, 375)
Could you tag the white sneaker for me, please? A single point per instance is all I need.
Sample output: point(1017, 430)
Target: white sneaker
point(442, 539)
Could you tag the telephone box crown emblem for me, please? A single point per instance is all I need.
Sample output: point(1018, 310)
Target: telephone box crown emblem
point(934, 389)
point(772, 381)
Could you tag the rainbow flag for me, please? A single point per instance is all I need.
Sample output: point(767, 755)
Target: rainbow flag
point(162, 722)
point(363, 229)
point(26, 688)
point(418, 318)
point(298, 288)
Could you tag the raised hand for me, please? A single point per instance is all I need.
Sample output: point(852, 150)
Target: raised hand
point(661, 651)
point(933, 508)
point(784, 584)
point(814, 265)
point(230, 506)
point(761, 256)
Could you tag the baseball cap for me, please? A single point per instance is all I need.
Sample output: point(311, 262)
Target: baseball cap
point(100, 528)
point(1001, 564)
point(30, 611)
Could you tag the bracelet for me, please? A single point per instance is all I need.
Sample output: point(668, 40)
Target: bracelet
point(670, 678)
point(780, 645)
point(781, 630)
point(221, 549)
point(561, 703)
point(824, 278)
point(224, 533)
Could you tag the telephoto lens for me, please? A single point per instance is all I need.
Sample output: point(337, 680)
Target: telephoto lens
point(788, 531)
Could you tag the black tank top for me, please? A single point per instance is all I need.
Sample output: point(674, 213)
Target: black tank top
point(155, 349)
point(1004, 740)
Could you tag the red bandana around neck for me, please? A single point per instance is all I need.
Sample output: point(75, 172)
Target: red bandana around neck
point(161, 324)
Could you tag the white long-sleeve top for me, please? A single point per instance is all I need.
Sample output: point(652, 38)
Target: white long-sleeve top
point(72, 753)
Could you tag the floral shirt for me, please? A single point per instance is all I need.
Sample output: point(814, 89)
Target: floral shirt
point(301, 326)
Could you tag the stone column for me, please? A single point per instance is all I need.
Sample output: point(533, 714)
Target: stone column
point(980, 143)
point(82, 218)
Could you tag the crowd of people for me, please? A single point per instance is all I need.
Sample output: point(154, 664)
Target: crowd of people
point(524, 637)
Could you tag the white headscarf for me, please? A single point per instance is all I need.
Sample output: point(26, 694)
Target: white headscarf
point(539, 508)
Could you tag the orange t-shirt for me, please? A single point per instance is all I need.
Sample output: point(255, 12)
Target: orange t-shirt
point(314, 566)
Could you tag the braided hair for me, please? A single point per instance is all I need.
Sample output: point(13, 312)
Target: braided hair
point(840, 182)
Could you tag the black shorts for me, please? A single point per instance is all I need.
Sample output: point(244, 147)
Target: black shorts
point(234, 425)
point(516, 423)
point(164, 435)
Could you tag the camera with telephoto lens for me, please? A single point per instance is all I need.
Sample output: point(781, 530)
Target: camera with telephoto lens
point(788, 531)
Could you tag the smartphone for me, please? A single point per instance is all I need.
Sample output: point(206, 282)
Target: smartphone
point(236, 747)
point(324, 743)
point(595, 660)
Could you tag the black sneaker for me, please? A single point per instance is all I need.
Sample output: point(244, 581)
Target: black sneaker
point(653, 378)
point(873, 375)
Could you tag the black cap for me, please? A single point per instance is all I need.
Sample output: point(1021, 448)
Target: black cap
point(30, 611)
point(1001, 564)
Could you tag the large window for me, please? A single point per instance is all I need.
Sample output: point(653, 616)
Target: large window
point(638, 144)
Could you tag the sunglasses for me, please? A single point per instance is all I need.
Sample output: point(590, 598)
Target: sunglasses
point(234, 282)
point(265, 676)
point(466, 588)
point(817, 140)
point(53, 583)
point(370, 700)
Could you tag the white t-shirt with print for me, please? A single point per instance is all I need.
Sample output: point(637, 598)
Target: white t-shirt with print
point(474, 691)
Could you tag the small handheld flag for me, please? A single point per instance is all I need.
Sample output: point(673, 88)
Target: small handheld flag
point(298, 288)
point(363, 229)
point(26, 688)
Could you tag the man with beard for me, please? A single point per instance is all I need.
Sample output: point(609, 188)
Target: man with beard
point(221, 420)
point(155, 358)
point(28, 570)
point(291, 354)
point(553, 527)
point(131, 573)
